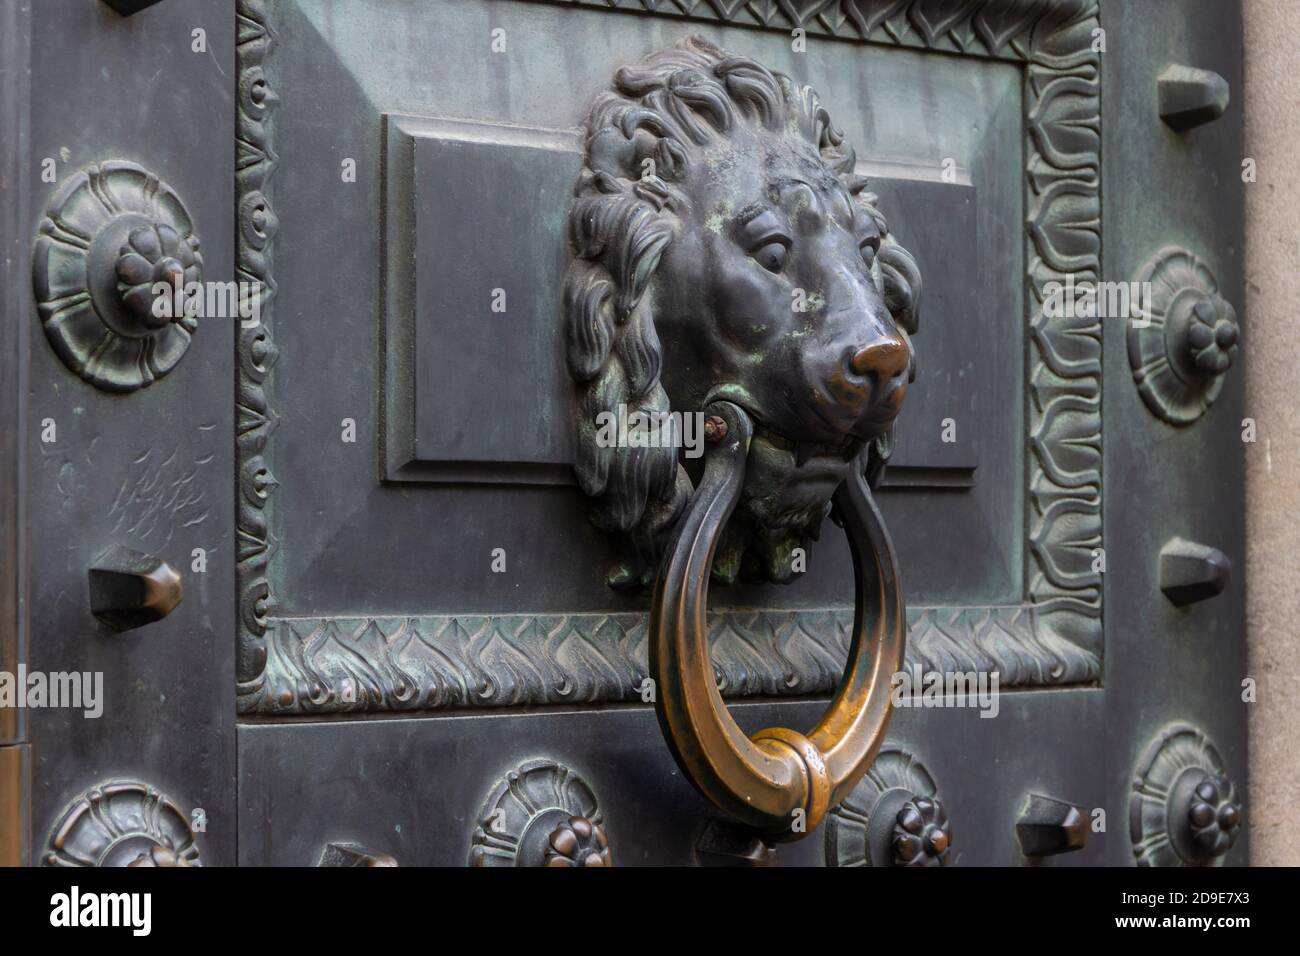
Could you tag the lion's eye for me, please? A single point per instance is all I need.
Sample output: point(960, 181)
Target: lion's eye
point(771, 255)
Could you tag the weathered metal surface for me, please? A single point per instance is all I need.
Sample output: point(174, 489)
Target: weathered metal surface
point(1030, 545)
point(1166, 664)
point(1055, 640)
point(361, 781)
point(15, 107)
point(150, 470)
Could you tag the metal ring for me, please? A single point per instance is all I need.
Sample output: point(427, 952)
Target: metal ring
point(765, 780)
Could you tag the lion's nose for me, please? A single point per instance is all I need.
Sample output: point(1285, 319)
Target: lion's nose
point(884, 359)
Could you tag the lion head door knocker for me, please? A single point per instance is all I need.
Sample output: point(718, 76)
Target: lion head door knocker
point(728, 261)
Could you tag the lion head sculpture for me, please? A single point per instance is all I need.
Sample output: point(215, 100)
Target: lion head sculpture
point(724, 249)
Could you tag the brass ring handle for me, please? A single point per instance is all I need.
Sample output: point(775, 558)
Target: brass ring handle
point(764, 780)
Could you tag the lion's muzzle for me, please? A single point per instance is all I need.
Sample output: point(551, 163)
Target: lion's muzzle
point(886, 365)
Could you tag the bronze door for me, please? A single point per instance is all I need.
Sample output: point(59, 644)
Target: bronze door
point(524, 328)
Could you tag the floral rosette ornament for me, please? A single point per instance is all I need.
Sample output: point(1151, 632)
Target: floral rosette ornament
point(1183, 346)
point(152, 255)
point(111, 232)
point(1214, 815)
point(922, 834)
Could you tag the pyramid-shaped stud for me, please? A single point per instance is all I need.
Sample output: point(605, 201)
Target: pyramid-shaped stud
point(353, 855)
point(128, 7)
point(1191, 97)
point(1048, 826)
point(129, 589)
point(1191, 572)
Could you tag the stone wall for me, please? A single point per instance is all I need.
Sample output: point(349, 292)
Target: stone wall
point(1271, 340)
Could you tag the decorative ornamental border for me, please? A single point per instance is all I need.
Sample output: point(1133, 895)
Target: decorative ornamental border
point(309, 665)
point(254, 420)
point(327, 665)
point(1020, 30)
